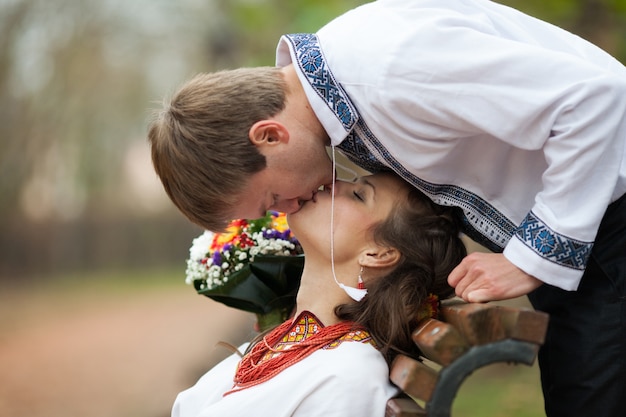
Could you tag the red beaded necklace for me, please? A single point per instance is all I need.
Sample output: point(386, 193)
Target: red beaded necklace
point(264, 361)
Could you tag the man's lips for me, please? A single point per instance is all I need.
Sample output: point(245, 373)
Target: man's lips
point(313, 199)
point(303, 201)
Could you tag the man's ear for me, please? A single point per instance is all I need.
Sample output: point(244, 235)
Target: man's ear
point(268, 132)
point(379, 257)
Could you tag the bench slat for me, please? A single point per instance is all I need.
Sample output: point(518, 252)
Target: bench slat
point(485, 323)
point(474, 321)
point(413, 377)
point(524, 324)
point(404, 407)
point(440, 342)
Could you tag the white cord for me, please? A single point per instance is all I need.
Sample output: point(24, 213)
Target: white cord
point(355, 293)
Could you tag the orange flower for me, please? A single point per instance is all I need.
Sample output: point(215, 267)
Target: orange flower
point(234, 229)
point(279, 223)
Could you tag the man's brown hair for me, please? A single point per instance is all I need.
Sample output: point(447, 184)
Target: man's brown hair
point(199, 140)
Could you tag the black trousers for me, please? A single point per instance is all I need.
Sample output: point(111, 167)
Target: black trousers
point(583, 362)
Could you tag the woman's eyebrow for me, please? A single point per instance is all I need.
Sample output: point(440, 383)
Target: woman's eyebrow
point(366, 182)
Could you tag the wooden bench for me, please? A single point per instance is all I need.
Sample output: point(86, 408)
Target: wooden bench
point(467, 336)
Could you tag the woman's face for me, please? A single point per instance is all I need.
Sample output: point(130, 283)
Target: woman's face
point(358, 206)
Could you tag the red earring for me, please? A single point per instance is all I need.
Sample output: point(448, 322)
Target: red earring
point(360, 284)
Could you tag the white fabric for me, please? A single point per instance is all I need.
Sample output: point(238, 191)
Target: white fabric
point(349, 380)
point(472, 93)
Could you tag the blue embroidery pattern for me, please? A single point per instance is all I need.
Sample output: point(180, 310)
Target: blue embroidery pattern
point(551, 245)
point(313, 65)
point(354, 148)
point(481, 221)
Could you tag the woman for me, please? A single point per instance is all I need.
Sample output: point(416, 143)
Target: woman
point(376, 235)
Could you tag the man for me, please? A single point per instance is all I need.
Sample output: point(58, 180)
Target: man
point(520, 124)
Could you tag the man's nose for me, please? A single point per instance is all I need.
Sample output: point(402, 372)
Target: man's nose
point(287, 206)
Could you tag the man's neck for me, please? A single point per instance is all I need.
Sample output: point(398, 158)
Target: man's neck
point(298, 107)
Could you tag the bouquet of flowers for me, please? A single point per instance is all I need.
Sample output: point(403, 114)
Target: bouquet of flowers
point(254, 266)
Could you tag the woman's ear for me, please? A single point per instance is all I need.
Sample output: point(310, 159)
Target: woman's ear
point(379, 257)
point(268, 132)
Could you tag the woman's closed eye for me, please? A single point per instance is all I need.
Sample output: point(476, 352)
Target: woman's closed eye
point(364, 190)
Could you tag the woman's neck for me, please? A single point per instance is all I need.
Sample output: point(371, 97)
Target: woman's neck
point(319, 293)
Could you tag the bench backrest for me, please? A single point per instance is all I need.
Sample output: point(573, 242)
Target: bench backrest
point(466, 337)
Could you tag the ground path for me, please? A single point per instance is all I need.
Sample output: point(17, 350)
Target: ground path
point(118, 354)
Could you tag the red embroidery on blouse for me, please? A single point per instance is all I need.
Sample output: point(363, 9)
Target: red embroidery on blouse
point(289, 343)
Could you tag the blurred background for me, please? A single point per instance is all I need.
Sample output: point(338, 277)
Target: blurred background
point(95, 318)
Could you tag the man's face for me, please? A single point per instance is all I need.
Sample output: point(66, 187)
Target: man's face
point(284, 185)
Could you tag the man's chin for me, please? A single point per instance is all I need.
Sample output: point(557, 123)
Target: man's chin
point(303, 204)
point(299, 208)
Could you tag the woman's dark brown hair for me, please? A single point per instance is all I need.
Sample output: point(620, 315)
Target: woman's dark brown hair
point(427, 236)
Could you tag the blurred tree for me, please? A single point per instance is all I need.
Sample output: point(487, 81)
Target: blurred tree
point(602, 22)
point(76, 78)
point(257, 25)
point(11, 171)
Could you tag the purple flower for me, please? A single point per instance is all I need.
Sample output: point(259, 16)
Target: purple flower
point(270, 234)
point(217, 258)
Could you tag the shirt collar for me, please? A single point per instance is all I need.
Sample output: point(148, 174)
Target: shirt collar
point(328, 99)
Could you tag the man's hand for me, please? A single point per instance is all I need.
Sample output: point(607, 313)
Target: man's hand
point(483, 277)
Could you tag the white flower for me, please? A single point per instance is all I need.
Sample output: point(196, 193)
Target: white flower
point(200, 245)
point(195, 270)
